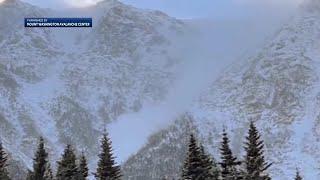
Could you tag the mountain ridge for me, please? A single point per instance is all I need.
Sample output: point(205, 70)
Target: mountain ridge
point(65, 94)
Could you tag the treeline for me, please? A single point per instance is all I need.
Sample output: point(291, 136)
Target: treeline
point(69, 167)
point(198, 165)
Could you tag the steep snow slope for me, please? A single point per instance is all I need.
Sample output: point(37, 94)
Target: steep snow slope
point(279, 89)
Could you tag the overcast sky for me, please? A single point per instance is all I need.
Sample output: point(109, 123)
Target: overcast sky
point(187, 9)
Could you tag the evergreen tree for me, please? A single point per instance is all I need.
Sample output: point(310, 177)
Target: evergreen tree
point(107, 168)
point(298, 176)
point(4, 174)
point(229, 164)
point(255, 164)
point(83, 167)
point(193, 167)
point(211, 170)
point(67, 167)
point(40, 162)
point(198, 164)
point(48, 175)
point(29, 175)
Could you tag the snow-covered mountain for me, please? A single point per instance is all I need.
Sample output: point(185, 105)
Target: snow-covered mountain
point(278, 88)
point(67, 84)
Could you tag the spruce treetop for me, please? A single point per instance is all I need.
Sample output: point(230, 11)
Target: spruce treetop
point(211, 170)
point(198, 164)
point(83, 167)
point(107, 168)
point(226, 152)
point(40, 161)
point(67, 167)
point(255, 163)
point(229, 163)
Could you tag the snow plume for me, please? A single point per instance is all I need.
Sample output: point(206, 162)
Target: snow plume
point(205, 52)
